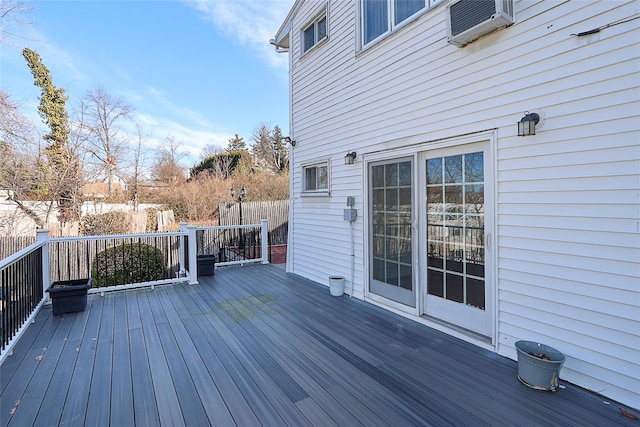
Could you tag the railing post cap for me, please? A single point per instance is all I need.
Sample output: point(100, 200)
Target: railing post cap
point(42, 233)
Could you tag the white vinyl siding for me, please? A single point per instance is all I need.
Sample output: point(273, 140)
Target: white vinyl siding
point(567, 242)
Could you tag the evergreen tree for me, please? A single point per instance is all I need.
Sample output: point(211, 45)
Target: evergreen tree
point(62, 167)
point(236, 144)
point(279, 150)
point(261, 143)
point(52, 109)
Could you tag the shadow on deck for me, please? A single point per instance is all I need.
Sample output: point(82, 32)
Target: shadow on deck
point(254, 345)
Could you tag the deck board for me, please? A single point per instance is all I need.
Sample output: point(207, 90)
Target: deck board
point(256, 346)
point(144, 402)
point(239, 410)
point(75, 405)
point(97, 412)
point(206, 391)
point(121, 410)
point(164, 390)
point(47, 363)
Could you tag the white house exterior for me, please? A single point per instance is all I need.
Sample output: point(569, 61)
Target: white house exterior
point(462, 224)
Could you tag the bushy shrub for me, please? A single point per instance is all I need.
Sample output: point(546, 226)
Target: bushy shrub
point(127, 263)
point(107, 223)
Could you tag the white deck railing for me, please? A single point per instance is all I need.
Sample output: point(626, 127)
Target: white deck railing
point(26, 275)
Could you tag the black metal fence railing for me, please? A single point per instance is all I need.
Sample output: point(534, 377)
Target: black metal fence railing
point(21, 291)
point(230, 245)
point(276, 212)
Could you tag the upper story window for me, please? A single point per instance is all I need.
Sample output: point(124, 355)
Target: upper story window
point(382, 16)
point(314, 32)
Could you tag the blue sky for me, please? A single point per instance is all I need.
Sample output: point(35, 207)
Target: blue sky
point(200, 71)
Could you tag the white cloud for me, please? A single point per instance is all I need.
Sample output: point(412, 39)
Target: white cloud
point(189, 139)
point(251, 23)
point(189, 128)
point(176, 110)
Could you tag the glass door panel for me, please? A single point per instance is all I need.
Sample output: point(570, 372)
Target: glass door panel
point(391, 218)
point(455, 239)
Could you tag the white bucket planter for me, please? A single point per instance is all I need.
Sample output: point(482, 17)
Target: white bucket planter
point(336, 285)
point(537, 372)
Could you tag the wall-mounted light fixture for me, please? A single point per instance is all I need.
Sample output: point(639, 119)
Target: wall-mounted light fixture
point(350, 158)
point(288, 140)
point(527, 125)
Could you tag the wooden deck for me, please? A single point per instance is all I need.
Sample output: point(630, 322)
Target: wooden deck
point(256, 346)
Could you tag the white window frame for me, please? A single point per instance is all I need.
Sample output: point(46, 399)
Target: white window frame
point(317, 39)
point(391, 25)
point(316, 191)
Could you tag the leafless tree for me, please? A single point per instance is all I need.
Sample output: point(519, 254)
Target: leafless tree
point(13, 13)
point(224, 167)
point(19, 163)
point(167, 168)
point(138, 162)
point(102, 117)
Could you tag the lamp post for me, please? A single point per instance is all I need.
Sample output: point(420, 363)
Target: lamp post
point(241, 196)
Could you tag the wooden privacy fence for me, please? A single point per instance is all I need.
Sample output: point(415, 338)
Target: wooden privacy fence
point(10, 245)
point(274, 211)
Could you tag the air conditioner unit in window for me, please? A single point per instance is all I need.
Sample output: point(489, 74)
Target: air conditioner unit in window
point(469, 19)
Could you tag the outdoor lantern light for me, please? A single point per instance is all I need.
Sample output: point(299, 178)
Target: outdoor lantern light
point(350, 158)
point(243, 193)
point(527, 125)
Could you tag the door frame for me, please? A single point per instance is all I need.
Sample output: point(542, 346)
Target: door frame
point(415, 151)
point(486, 317)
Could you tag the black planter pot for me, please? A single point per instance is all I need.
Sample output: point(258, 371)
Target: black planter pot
point(206, 265)
point(69, 296)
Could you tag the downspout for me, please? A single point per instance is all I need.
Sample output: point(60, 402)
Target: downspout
point(353, 256)
point(290, 242)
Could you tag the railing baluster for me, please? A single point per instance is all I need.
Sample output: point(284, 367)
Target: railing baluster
point(21, 292)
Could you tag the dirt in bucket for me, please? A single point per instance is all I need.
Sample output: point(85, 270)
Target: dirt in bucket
point(539, 355)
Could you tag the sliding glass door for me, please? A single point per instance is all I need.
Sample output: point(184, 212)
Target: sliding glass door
point(391, 230)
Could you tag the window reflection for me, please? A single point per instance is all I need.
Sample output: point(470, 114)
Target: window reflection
point(474, 167)
point(455, 228)
point(434, 171)
point(391, 175)
point(406, 8)
point(453, 169)
point(391, 224)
